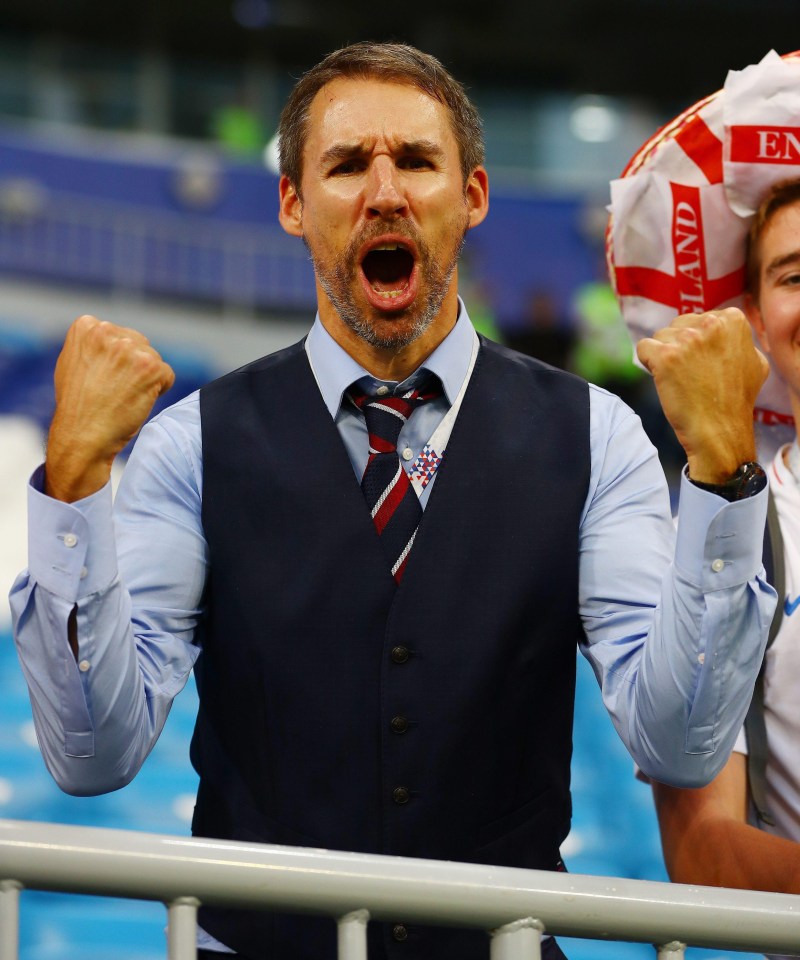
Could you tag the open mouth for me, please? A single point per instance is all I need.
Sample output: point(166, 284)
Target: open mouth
point(388, 268)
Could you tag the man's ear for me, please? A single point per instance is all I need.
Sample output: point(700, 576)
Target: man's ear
point(753, 313)
point(290, 210)
point(477, 194)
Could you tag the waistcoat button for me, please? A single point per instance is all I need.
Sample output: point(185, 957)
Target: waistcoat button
point(399, 654)
point(399, 724)
point(399, 932)
point(401, 795)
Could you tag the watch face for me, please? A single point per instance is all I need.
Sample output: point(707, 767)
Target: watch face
point(753, 480)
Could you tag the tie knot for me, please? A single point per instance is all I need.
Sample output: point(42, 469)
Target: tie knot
point(385, 416)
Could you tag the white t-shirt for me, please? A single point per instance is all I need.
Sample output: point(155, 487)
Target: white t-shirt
point(782, 673)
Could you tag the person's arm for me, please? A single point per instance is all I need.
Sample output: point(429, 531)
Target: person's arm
point(707, 840)
point(674, 638)
point(133, 585)
point(676, 632)
point(105, 644)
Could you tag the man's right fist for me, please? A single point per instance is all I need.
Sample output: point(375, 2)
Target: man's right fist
point(107, 379)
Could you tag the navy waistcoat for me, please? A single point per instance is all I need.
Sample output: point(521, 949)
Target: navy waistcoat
point(433, 719)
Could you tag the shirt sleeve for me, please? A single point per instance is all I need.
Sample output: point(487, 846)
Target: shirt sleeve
point(675, 627)
point(98, 716)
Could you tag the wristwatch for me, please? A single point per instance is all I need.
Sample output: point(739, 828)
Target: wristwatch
point(748, 480)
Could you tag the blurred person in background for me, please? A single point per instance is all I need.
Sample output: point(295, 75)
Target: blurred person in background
point(475, 290)
point(544, 333)
point(603, 353)
point(237, 127)
point(355, 693)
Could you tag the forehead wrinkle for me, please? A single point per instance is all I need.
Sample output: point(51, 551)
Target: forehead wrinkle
point(351, 149)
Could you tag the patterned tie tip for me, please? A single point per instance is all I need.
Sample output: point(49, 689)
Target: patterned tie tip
point(392, 500)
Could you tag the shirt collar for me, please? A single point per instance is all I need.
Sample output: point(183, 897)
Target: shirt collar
point(335, 370)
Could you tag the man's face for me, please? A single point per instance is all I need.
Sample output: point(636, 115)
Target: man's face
point(776, 316)
point(384, 209)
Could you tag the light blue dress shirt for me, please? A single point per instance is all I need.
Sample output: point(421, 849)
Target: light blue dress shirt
point(674, 631)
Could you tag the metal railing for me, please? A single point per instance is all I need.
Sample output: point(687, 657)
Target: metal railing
point(513, 906)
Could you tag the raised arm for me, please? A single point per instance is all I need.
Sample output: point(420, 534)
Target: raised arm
point(107, 379)
point(675, 631)
point(104, 615)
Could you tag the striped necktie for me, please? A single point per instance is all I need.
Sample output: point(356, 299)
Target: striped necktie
point(392, 501)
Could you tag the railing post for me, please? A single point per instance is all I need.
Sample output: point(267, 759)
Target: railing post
point(674, 950)
point(9, 919)
point(182, 929)
point(353, 935)
point(520, 940)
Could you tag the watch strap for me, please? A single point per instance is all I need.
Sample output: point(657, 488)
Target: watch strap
point(747, 481)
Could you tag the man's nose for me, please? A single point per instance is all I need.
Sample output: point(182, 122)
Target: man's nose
point(385, 194)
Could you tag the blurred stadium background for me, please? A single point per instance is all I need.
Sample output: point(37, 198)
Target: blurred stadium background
point(136, 184)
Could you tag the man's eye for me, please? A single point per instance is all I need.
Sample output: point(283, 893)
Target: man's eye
point(792, 280)
point(416, 163)
point(345, 167)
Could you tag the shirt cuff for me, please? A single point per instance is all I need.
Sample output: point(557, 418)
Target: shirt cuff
point(719, 544)
point(71, 547)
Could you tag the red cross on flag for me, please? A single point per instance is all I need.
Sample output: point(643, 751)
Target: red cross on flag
point(686, 270)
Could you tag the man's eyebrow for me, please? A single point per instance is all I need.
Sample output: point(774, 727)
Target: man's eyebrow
point(780, 262)
point(349, 151)
point(428, 148)
point(343, 151)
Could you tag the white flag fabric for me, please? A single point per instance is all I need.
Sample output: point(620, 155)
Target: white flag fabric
point(761, 113)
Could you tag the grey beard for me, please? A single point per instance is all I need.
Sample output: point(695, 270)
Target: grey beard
point(391, 339)
point(338, 283)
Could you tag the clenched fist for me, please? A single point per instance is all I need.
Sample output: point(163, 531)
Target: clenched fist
point(708, 374)
point(107, 379)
